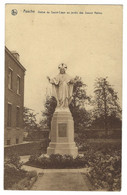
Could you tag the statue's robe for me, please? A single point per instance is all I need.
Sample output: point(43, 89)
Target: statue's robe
point(62, 89)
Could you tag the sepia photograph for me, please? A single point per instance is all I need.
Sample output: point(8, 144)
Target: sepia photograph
point(63, 97)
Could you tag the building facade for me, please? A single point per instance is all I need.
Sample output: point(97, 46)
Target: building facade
point(14, 98)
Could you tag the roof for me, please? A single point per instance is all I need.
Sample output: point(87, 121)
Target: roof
point(12, 56)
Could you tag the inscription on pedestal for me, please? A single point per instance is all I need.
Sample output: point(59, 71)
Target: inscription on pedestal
point(62, 130)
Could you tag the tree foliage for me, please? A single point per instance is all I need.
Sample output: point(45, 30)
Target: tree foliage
point(77, 107)
point(47, 114)
point(106, 104)
point(30, 121)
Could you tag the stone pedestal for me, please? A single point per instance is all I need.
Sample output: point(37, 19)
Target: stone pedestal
point(62, 134)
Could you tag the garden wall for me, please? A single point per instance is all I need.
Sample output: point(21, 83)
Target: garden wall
point(100, 134)
point(26, 148)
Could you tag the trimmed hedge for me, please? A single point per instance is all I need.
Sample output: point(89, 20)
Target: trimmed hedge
point(28, 148)
point(100, 134)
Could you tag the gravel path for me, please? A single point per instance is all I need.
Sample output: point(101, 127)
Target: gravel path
point(61, 181)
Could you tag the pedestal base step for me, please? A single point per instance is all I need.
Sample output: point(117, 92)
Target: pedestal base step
point(62, 148)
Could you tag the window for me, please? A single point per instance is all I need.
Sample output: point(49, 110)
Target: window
point(18, 84)
point(9, 115)
point(10, 72)
point(17, 140)
point(8, 142)
point(17, 116)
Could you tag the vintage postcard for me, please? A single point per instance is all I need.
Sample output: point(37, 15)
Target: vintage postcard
point(63, 97)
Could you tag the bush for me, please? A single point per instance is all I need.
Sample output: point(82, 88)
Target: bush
point(105, 166)
point(33, 158)
point(12, 171)
point(12, 175)
point(16, 178)
point(14, 160)
point(27, 182)
point(21, 185)
point(57, 161)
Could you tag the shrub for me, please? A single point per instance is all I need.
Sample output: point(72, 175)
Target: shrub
point(57, 161)
point(12, 175)
point(15, 160)
point(105, 170)
point(12, 171)
point(21, 185)
point(33, 158)
point(27, 182)
point(15, 179)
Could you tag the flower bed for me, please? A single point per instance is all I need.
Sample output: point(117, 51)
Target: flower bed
point(27, 182)
point(16, 178)
point(57, 161)
point(12, 175)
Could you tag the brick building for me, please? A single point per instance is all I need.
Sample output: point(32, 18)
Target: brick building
point(14, 98)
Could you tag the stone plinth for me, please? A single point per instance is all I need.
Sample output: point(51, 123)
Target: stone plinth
point(62, 134)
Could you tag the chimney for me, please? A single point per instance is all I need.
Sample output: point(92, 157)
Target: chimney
point(16, 55)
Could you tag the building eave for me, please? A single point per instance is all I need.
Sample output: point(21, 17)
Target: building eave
point(11, 55)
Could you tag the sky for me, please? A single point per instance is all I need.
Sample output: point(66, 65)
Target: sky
point(89, 44)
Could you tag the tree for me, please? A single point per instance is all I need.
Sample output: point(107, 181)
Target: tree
point(77, 107)
point(80, 115)
point(50, 106)
point(30, 122)
point(105, 103)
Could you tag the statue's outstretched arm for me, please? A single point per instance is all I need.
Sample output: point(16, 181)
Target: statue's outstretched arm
point(53, 81)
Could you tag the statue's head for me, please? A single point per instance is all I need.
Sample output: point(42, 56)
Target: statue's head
point(62, 67)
